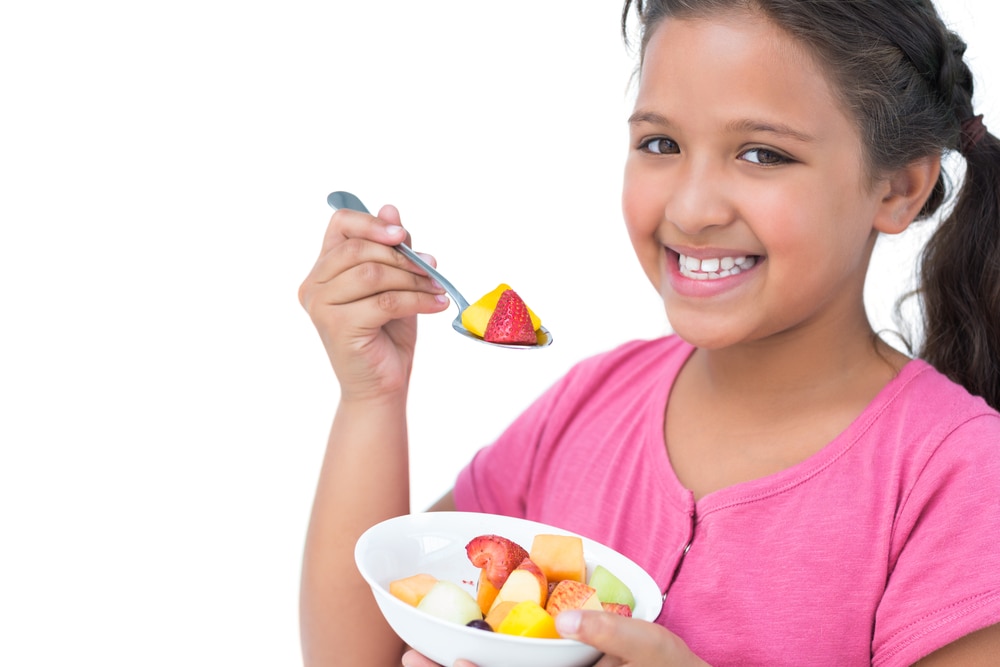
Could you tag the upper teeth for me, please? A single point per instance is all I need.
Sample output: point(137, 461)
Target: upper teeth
point(714, 267)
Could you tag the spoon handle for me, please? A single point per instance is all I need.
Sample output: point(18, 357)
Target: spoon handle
point(341, 199)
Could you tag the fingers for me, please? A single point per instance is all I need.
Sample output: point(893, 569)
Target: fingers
point(627, 641)
point(413, 659)
point(370, 267)
point(359, 264)
point(379, 283)
point(347, 224)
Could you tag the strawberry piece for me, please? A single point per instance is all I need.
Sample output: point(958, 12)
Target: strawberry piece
point(496, 555)
point(510, 322)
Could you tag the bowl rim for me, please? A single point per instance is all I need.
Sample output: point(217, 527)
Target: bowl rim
point(381, 590)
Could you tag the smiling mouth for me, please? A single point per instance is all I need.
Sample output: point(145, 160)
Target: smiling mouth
point(714, 268)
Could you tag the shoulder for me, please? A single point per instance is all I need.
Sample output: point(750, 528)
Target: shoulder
point(935, 459)
point(634, 360)
point(928, 408)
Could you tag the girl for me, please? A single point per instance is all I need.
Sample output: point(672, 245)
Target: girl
point(803, 493)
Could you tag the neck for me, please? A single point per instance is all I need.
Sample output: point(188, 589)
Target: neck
point(799, 367)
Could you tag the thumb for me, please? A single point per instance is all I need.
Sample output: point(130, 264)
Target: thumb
point(390, 214)
point(634, 641)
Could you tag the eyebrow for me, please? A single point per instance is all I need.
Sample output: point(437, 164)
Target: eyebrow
point(750, 125)
point(648, 117)
point(743, 125)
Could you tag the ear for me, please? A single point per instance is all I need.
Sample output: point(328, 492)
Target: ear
point(906, 190)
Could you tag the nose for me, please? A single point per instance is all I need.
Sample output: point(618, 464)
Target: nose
point(698, 197)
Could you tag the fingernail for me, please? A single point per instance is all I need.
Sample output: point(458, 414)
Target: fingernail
point(568, 623)
point(441, 298)
point(393, 230)
point(427, 258)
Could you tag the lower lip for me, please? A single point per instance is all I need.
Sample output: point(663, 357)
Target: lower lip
point(707, 288)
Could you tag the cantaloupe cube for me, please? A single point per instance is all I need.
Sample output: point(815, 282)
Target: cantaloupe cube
point(412, 589)
point(486, 592)
point(559, 557)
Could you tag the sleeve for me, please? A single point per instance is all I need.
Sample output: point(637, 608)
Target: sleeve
point(498, 478)
point(944, 577)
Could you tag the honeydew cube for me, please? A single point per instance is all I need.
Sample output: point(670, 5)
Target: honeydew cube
point(450, 602)
point(610, 588)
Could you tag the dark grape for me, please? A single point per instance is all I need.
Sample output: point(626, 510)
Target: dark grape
point(479, 625)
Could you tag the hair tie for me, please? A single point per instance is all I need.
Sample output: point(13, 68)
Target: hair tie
point(973, 131)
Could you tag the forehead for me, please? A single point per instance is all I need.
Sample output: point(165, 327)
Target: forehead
point(737, 60)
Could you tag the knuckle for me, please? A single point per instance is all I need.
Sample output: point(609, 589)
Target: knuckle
point(388, 302)
point(398, 259)
point(353, 249)
point(306, 291)
point(370, 273)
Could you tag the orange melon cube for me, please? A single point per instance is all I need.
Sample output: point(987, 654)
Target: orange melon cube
point(486, 592)
point(412, 589)
point(559, 557)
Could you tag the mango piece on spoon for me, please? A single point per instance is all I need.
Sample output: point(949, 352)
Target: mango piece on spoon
point(477, 316)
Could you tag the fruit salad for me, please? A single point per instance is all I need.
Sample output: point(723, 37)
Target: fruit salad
point(519, 592)
point(502, 317)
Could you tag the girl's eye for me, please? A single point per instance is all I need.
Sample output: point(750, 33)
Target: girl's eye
point(659, 146)
point(764, 156)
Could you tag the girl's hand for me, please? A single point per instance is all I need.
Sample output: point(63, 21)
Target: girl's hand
point(625, 642)
point(413, 659)
point(363, 297)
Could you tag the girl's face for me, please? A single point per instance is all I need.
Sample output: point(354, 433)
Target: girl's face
point(745, 195)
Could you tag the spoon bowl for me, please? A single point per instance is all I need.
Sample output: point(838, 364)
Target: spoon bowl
point(341, 199)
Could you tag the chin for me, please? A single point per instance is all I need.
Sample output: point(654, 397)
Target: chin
point(707, 333)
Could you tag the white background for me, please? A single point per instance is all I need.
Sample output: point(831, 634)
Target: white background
point(165, 400)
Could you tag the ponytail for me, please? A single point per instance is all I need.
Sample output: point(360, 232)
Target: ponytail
point(960, 275)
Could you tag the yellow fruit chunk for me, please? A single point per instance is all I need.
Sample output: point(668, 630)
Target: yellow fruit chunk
point(412, 590)
point(477, 315)
point(528, 619)
point(498, 613)
point(560, 557)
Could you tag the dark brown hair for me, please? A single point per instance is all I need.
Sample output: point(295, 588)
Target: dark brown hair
point(902, 75)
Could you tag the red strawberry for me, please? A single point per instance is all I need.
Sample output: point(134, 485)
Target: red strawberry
point(510, 322)
point(497, 555)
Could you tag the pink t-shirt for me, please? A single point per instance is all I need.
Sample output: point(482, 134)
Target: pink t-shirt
point(879, 549)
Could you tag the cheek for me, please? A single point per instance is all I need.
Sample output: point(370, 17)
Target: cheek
point(639, 205)
point(642, 220)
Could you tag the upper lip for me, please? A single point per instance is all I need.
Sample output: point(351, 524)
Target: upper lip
point(708, 253)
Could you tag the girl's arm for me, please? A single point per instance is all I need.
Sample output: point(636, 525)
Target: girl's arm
point(978, 649)
point(363, 297)
point(363, 480)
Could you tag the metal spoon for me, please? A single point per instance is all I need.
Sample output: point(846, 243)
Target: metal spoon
point(343, 199)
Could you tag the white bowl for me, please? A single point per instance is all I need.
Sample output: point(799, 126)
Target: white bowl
point(434, 542)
